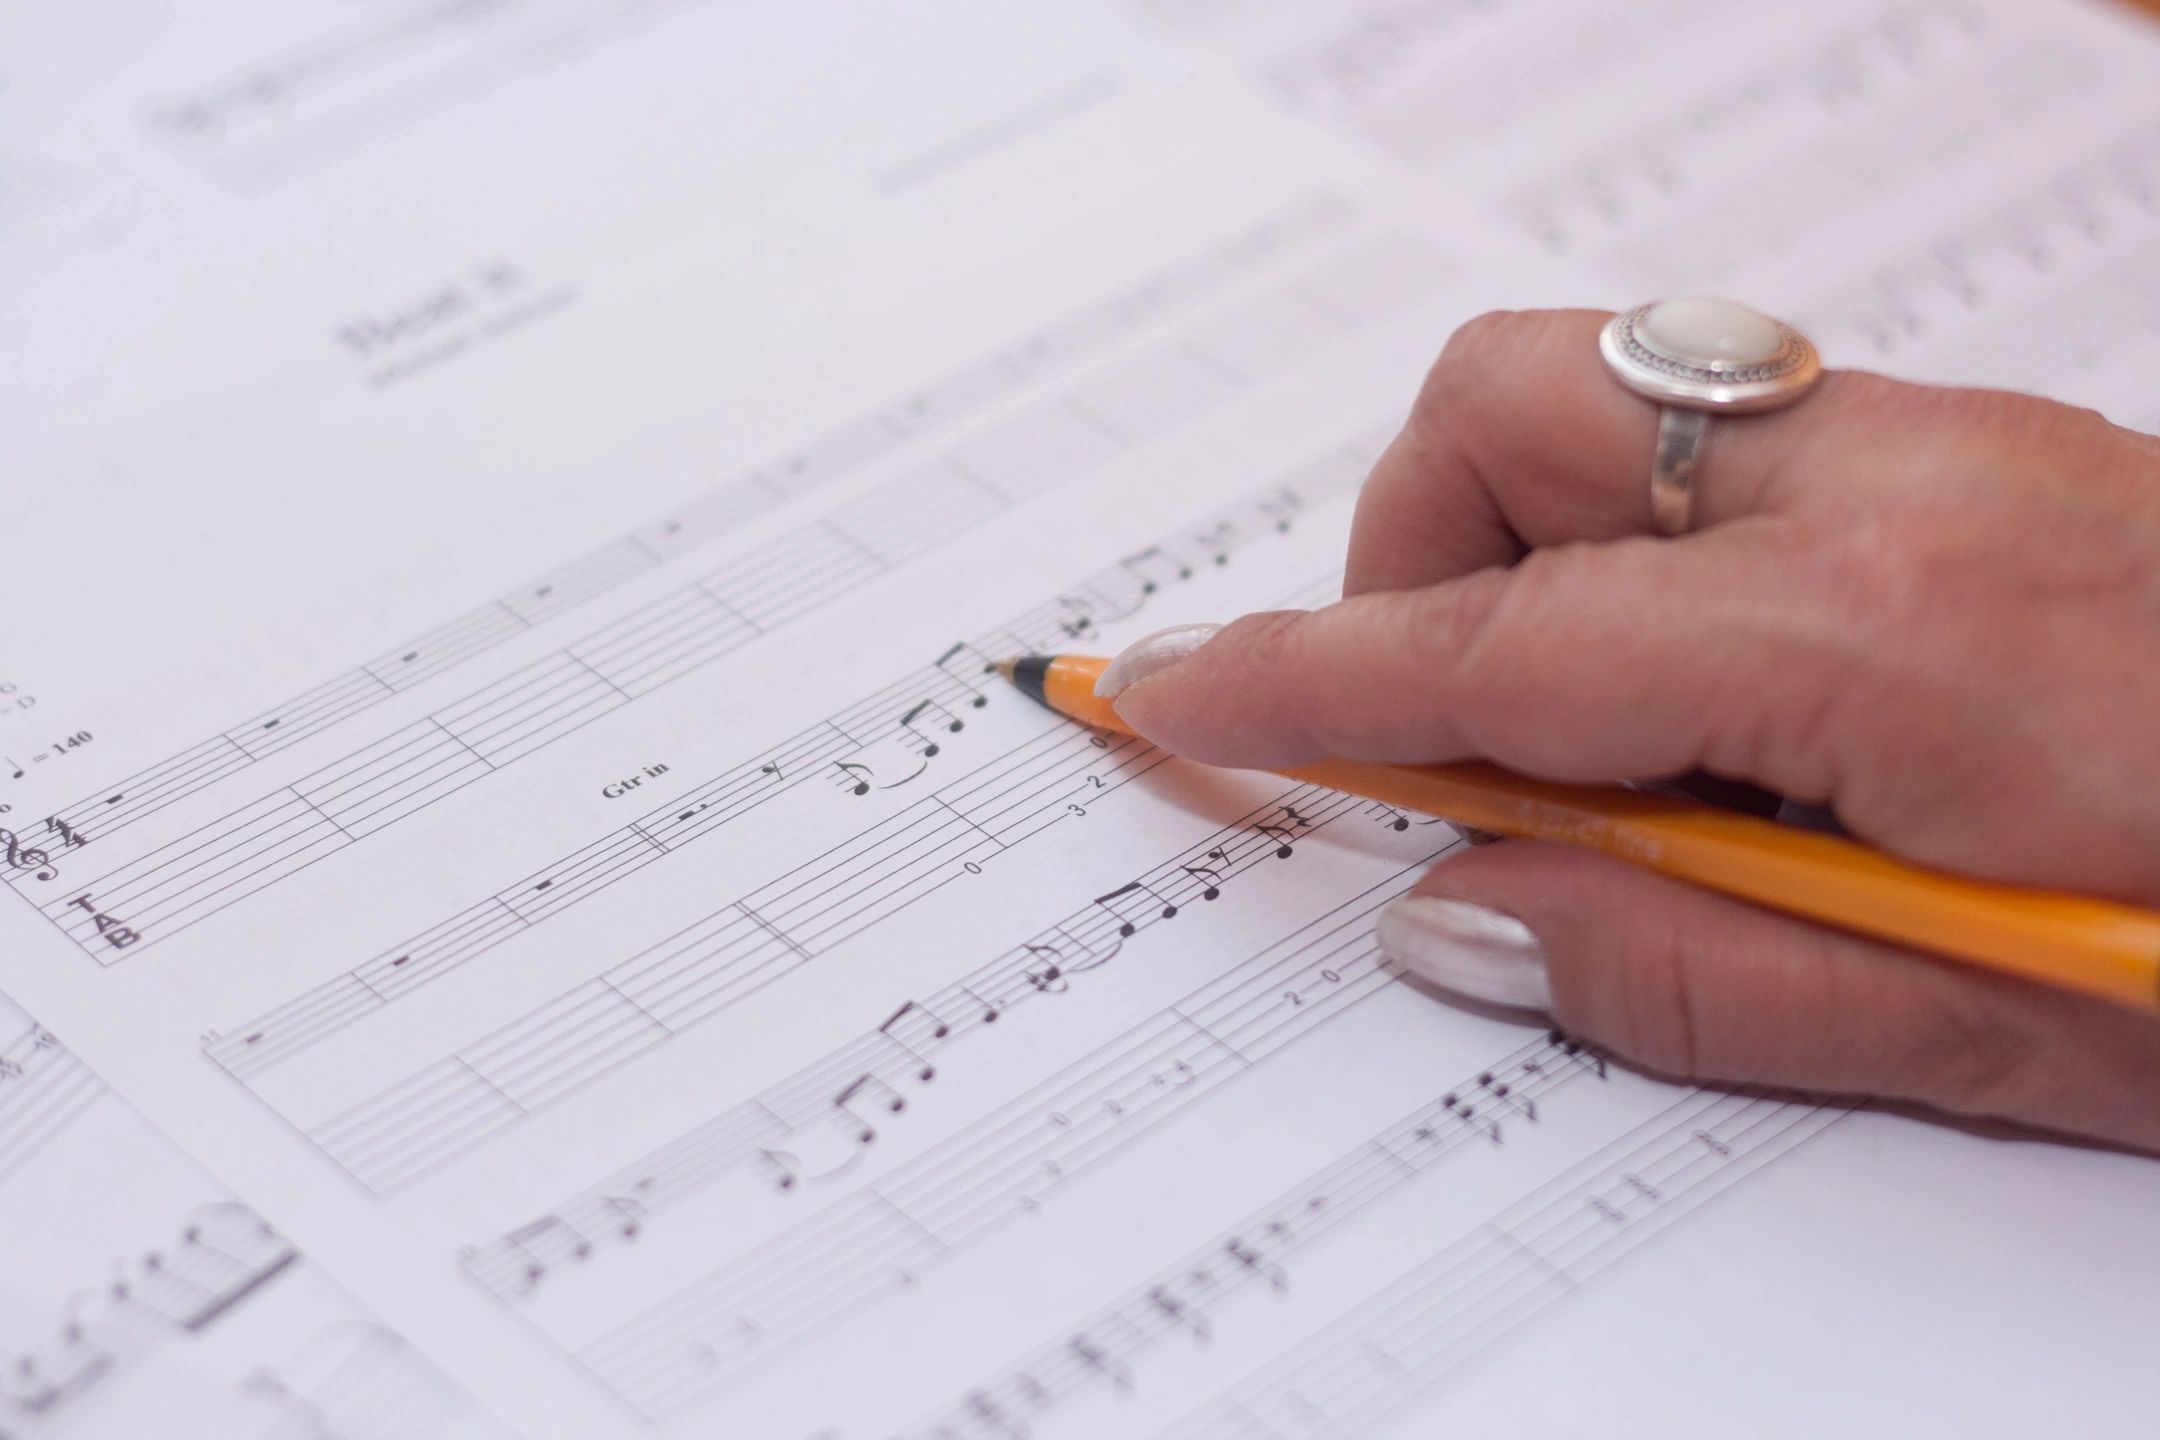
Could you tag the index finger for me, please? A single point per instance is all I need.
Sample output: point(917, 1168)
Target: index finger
point(1520, 438)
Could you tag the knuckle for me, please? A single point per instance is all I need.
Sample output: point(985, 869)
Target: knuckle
point(1478, 347)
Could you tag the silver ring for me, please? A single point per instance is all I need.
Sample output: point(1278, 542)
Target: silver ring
point(1696, 358)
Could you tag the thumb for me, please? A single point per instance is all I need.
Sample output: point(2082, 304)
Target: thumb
point(1698, 986)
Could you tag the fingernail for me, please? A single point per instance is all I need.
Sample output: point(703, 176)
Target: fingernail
point(1151, 655)
point(1468, 949)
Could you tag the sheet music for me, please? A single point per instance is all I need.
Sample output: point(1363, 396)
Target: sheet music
point(138, 1296)
point(505, 772)
point(1917, 181)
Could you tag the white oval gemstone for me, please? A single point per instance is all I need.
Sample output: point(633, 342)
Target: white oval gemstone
point(1706, 331)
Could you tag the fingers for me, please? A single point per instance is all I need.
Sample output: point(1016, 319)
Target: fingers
point(1521, 438)
point(1518, 438)
point(1589, 662)
point(1694, 985)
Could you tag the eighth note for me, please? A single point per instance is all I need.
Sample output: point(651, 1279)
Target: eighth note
point(944, 663)
point(1209, 874)
point(952, 723)
point(1134, 887)
point(938, 1031)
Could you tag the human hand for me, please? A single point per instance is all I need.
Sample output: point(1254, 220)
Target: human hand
point(1936, 611)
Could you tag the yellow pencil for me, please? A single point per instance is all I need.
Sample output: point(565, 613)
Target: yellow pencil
point(2070, 941)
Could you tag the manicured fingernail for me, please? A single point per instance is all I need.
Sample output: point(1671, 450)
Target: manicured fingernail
point(1151, 655)
point(1468, 949)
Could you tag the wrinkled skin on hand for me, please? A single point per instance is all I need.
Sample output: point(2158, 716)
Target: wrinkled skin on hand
point(1935, 611)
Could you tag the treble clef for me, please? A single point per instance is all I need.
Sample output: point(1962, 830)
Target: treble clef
point(26, 857)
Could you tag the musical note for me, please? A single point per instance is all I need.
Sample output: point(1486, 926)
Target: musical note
point(1126, 927)
point(867, 1088)
point(1047, 978)
point(545, 1243)
point(1079, 621)
point(784, 1162)
point(1284, 830)
point(1389, 815)
point(990, 1010)
point(1254, 1263)
point(1469, 1115)
point(938, 1031)
point(39, 1386)
point(1176, 1311)
point(1504, 1094)
point(944, 663)
point(27, 857)
point(1219, 540)
point(630, 1208)
point(878, 767)
point(952, 723)
point(1095, 1358)
point(1581, 1054)
point(1210, 876)
point(18, 768)
point(993, 1415)
point(1149, 565)
point(1279, 507)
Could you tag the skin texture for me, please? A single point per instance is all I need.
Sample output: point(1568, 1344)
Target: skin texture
point(1936, 611)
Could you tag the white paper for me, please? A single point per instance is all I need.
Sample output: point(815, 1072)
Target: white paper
point(140, 1297)
point(520, 500)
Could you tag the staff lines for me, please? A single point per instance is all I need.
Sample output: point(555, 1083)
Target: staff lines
point(259, 845)
point(1410, 1336)
point(1004, 1165)
point(911, 1048)
point(988, 802)
point(1057, 347)
point(1477, 1112)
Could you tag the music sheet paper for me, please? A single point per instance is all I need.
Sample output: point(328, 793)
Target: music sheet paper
point(507, 510)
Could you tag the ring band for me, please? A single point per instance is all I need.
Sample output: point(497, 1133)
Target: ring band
point(1697, 358)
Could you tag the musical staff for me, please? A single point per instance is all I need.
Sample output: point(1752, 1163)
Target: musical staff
point(2081, 244)
point(1831, 103)
point(406, 1129)
point(989, 807)
point(43, 1088)
point(217, 865)
point(999, 1169)
point(356, 1378)
point(1532, 1255)
point(221, 1256)
point(909, 1050)
point(1390, 71)
point(1057, 348)
point(1174, 1303)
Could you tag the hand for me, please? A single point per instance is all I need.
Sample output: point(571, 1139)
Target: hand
point(1936, 611)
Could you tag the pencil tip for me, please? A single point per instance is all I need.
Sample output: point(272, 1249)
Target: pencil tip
point(1027, 673)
